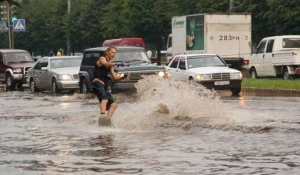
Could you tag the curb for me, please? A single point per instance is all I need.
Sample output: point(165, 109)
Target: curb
point(270, 92)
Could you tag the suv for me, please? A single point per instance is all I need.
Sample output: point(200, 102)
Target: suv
point(136, 59)
point(14, 65)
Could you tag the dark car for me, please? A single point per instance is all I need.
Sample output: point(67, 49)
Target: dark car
point(14, 65)
point(136, 59)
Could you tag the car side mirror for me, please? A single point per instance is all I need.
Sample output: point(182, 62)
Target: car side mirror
point(44, 68)
point(229, 65)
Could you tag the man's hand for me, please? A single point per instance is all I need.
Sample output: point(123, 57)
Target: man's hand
point(123, 64)
point(124, 76)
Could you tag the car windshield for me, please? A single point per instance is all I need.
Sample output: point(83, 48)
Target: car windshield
point(131, 56)
point(64, 62)
point(205, 61)
point(18, 57)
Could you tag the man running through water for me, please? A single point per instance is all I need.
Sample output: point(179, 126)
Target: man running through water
point(103, 67)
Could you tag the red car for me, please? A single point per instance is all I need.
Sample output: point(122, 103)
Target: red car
point(14, 64)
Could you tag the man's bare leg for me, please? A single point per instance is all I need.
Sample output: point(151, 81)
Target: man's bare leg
point(112, 109)
point(103, 104)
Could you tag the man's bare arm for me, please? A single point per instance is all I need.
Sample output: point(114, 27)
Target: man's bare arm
point(102, 61)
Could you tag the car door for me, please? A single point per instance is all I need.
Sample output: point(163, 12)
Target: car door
point(173, 69)
point(36, 73)
point(182, 69)
point(257, 59)
point(46, 75)
point(268, 59)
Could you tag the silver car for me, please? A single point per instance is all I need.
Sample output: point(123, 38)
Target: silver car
point(54, 73)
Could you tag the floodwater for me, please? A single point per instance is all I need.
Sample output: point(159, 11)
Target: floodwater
point(166, 127)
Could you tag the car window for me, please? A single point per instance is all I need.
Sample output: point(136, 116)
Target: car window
point(44, 63)
point(270, 46)
point(182, 64)
point(90, 58)
point(131, 55)
point(18, 57)
point(175, 62)
point(261, 47)
point(64, 62)
point(291, 42)
point(205, 61)
point(38, 65)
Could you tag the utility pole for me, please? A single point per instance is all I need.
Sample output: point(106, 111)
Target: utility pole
point(8, 23)
point(68, 40)
point(231, 5)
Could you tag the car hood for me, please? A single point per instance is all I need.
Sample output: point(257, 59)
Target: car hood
point(20, 65)
point(68, 70)
point(212, 70)
point(140, 67)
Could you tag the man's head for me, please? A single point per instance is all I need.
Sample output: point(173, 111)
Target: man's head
point(111, 52)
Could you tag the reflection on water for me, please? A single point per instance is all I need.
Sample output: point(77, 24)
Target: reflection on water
point(167, 127)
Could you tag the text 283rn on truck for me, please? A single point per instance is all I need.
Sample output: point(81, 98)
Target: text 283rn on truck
point(228, 35)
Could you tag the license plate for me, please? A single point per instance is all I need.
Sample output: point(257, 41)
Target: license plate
point(218, 83)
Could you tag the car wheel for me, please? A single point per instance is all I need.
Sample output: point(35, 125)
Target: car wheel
point(32, 86)
point(55, 88)
point(83, 87)
point(191, 79)
point(10, 82)
point(253, 73)
point(235, 91)
point(110, 87)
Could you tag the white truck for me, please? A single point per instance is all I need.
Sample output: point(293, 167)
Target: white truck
point(228, 35)
point(276, 56)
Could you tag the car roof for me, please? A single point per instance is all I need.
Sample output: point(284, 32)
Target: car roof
point(62, 57)
point(11, 50)
point(117, 47)
point(188, 55)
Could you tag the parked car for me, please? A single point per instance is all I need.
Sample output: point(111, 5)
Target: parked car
point(210, 70)
point(14, 64)
point(139, 42)
point(54, 73)
point(136, 59)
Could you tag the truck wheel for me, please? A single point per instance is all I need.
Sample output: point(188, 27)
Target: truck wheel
point(83, 87)
point(55, 88)
point(286, 75)
point(235, 91)
point(253, 73)
point(110, 87)
point(10, 82)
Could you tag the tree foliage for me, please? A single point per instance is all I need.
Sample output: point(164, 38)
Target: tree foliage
point(49, 25)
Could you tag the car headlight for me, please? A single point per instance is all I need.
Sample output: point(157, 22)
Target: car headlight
point(236, 75)
point(163, 74)
point(64, 77)
point(17, 70)
point(203, 77)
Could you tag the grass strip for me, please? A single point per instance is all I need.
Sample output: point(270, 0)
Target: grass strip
point(271, 83)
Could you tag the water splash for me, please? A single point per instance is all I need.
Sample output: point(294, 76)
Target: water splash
point(167, 102)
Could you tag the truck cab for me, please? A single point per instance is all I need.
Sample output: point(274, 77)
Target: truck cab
point(275, 56)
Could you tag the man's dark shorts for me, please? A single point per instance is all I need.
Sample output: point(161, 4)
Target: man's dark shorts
point(101, 92)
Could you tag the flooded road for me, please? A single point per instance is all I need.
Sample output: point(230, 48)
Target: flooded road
point(165, 128)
